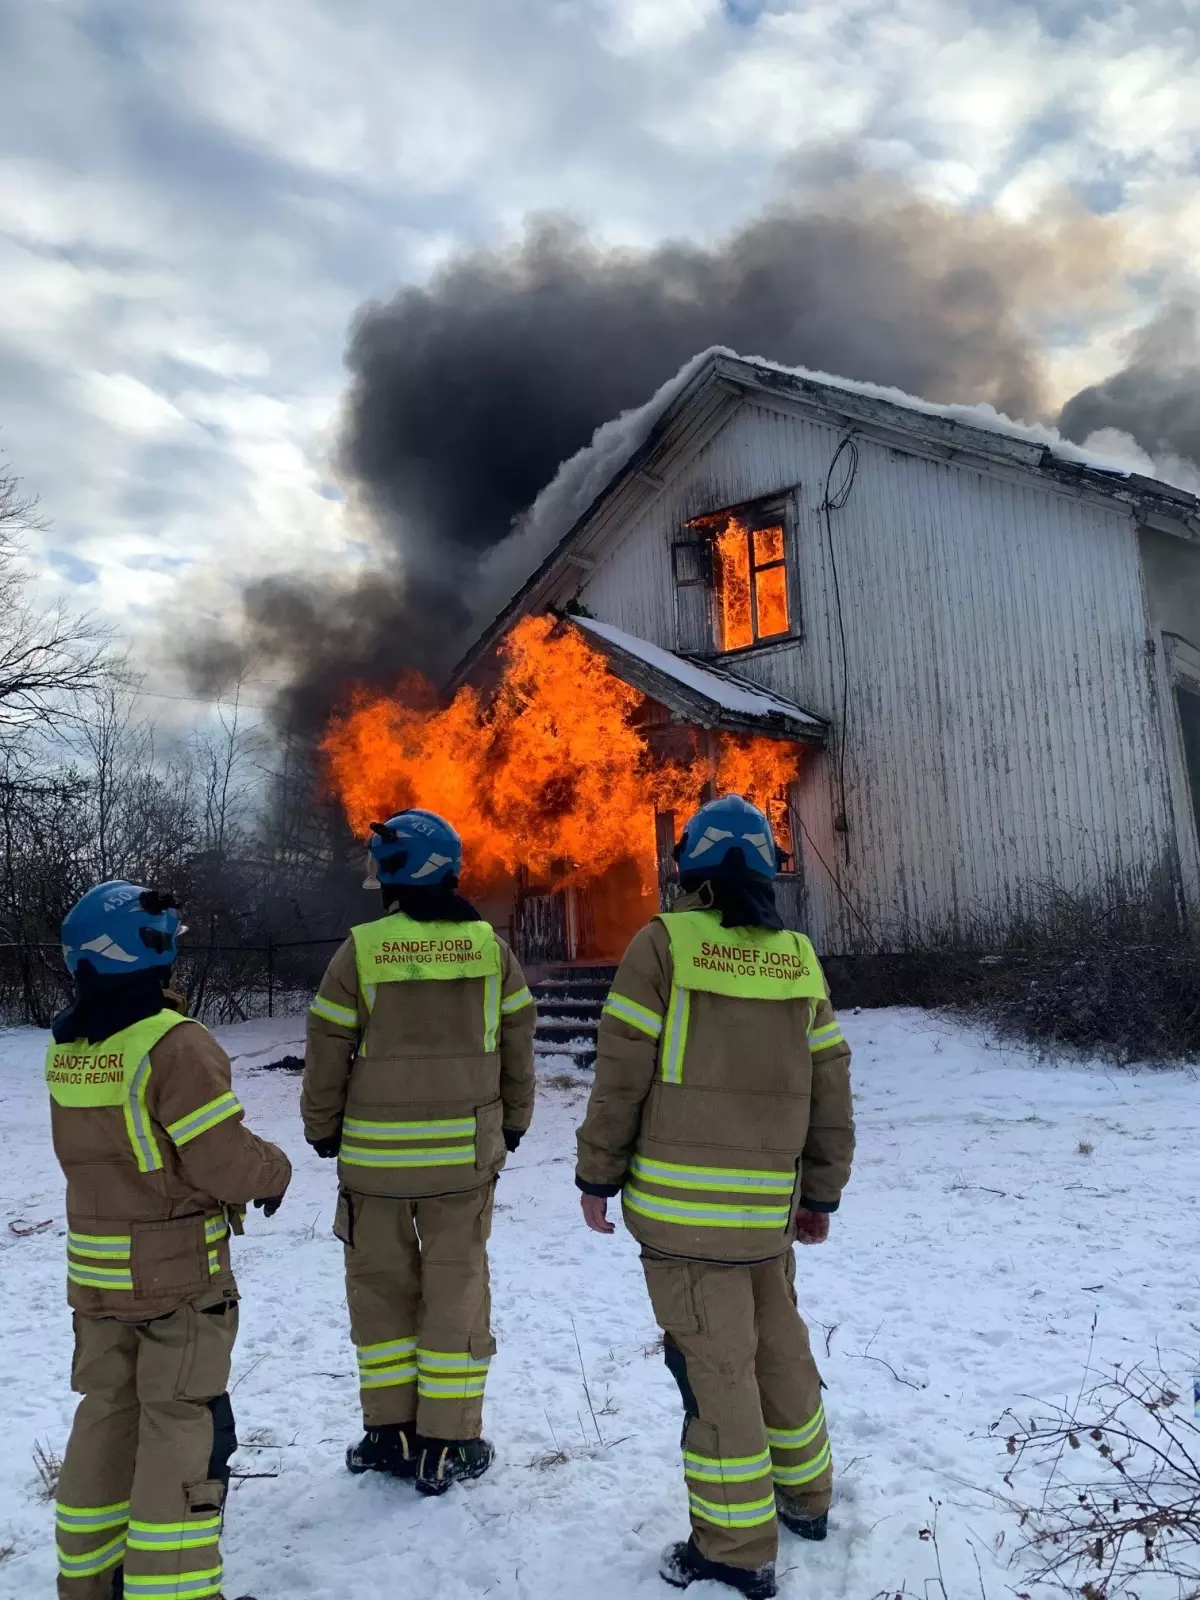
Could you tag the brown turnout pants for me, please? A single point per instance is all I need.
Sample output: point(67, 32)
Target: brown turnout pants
point(420, 1308)
point(147, 1463)
point(755, 1426)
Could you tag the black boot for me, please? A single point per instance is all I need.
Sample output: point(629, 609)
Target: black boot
point(447, 1461)
point(683, 1564)
point(390, 1448)
point(814, 1528)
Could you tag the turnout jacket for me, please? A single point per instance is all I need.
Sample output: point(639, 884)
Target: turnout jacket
point(159, 1166)
point(419, 1055)
point(717, 1115)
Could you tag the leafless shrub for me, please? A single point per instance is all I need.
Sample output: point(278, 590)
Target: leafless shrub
point(257, 863)
point(48, 1465)
point(1085, 1147)
point(8, 1548)
point(934, 1587)
point(49, 657)
point(1120, 1489)
point(1114, 974)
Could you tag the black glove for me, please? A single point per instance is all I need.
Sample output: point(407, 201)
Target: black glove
point(269, 1206)
point(327, 1148)
point(511, 1139)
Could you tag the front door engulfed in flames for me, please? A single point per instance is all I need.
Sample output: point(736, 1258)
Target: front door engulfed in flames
point(596, 921)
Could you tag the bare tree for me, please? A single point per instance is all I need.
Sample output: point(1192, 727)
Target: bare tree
point(47, 657)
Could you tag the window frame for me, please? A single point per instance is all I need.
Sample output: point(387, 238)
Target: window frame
point(752, 534)
point(771, 511)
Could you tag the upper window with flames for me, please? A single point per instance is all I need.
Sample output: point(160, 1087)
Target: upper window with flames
point(732, 581)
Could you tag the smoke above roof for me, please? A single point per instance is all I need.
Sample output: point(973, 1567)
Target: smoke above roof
point(466, 394)
point(1155, 398)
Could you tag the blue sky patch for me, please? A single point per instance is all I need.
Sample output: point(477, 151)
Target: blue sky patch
point(75, 569)
point(744, 12)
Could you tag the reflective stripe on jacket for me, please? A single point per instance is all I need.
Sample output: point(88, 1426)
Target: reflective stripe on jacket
point(151, 1139)
point(420, 1051)
point(722, 1095)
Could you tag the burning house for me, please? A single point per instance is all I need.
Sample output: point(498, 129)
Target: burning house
point(960, 665)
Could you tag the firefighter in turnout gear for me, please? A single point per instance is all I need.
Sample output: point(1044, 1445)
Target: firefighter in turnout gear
point(721, 1112)
point(419, 1078)
point(159, 1168)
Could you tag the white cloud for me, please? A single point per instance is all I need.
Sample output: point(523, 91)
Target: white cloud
point(128, 404)
point(636, 27)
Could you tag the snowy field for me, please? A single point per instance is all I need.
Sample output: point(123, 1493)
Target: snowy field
point(974, 1246)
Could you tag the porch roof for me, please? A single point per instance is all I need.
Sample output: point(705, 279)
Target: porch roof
point(699, 693)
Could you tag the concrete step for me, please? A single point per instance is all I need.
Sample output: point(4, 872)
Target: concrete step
point(580, 1054)
point(567, 1028)
point(553, 986)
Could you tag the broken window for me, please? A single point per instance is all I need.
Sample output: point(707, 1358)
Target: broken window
point(740, 558)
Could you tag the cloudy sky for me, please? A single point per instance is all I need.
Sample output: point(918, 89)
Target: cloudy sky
point(196, 196)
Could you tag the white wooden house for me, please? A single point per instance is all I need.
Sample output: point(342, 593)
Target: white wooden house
point(990, 645)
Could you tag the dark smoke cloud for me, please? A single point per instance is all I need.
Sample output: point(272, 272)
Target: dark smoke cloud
point(466, 395)
point(322, 636)
point(1156, 397)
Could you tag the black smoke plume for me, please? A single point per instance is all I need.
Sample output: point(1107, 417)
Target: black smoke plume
point(465, 395)
point(1156, 397)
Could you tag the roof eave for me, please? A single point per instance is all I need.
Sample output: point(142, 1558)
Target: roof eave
point(697, 709)
point(1150, 499)
point(1155, 503)
point(560, 556)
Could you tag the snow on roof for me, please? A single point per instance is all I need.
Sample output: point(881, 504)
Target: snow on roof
point(723, 688)
point(1112, 451)
point(583, 477)
point(579, 482)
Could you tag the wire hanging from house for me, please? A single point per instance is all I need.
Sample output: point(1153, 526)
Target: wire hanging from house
point(837, 884)
point(831, 502)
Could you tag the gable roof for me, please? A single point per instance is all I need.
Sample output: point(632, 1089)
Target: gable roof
point(707, 696)
point(615, 477)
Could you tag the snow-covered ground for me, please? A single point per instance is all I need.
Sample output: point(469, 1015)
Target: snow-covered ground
point(973, 1248)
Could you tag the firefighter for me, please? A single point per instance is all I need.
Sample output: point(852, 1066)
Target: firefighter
point(419, 1078)
point(721, 1111)
point(159, 1167)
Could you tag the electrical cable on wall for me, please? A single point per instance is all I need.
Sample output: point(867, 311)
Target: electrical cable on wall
point(837, 884)
point(831, 502)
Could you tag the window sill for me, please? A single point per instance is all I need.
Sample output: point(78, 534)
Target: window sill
point(762, 647)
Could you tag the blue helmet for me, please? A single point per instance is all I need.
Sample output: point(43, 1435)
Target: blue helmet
point(728, 827)
point(121, 927)
point(415, 847)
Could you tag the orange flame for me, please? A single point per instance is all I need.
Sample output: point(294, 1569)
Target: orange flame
point(751, 580)
point(552, 773)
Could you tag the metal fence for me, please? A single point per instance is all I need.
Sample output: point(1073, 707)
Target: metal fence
point(222, 983)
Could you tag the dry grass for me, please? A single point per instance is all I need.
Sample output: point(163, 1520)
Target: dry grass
point(548, 1460)
point(1114, 975)
point(1085, 1147)
point(563, 1080)
point(48, 1465)
point(7, 1549)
